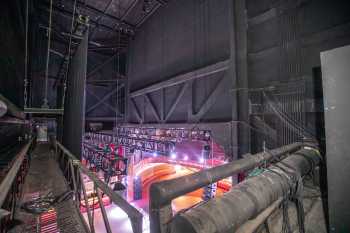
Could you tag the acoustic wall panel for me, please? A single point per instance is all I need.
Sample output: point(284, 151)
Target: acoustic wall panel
point(336, 89)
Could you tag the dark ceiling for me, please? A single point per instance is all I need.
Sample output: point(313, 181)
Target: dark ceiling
point(112, 23)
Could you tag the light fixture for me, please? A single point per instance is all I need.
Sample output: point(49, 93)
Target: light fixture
point(186, 157)
point(178, 168)
point(173, 155)
point(201, 160)
point(155, 154)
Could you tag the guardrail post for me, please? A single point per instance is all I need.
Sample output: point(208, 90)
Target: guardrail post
point(134, 214)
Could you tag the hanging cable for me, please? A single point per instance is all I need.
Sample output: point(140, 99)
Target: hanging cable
point(117, 83)
point(25, 96)
point(46, 104)
point(69, 54)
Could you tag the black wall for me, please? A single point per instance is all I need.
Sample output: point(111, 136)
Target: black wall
point(12, 50)
point(284, 39)
point(11, 64)
point(74, 106)
point(182, 36)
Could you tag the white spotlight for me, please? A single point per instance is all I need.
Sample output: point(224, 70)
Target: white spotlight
point(201, 160)
point(173, 156)
point(178, 168)
point(155, 154)
point(186, 157)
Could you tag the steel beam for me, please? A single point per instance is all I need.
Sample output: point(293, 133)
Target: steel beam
point(132, 6)
point(100, 66)
point(46, 111)
point(177, 100)
point(218, 90)
point(199, 73)
point(89, 7)
point(68, 14)
point(239, 74)
point(137, 111)
point(104, 103)
point(100, 17)
point(153, 107)
point(162, 105)
point(105, 119)
point(108, 95)
point(148, 15)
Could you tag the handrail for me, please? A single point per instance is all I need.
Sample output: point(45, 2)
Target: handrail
point(162, 193)
point(7, 182)
point(135, 215)
point(5, 185)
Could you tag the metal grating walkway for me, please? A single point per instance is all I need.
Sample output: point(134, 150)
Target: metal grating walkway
point(45, 176)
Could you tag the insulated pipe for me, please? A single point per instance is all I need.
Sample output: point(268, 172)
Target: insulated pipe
point(247, 199)
point(162, 193)
point(3, 108)
point(12, 110)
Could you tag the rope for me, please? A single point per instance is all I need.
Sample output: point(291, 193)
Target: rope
point(295, 194)
point(117, 83)
point(25, 96)
point(69, 54)
point(45, 104)
point(287, 120)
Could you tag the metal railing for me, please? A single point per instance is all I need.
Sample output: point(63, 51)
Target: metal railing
point(74, 171)
point(10, 187)
point(162, 193)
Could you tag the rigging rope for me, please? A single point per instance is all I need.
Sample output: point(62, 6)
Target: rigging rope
point(69, 54)
point(117, 83)
point(45, 104)
point(291, 123)
point(25, 96)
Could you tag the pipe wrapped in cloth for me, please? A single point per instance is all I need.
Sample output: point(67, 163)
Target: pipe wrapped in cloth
point(3, 108)
point(247, 199)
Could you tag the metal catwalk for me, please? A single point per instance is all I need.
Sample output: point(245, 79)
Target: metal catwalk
point(45, 176)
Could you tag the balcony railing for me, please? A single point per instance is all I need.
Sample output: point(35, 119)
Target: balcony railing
point(74, 172)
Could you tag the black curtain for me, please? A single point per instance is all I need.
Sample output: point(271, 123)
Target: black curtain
point(74, 107)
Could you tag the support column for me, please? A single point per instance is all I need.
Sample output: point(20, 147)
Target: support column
point(239, 74)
